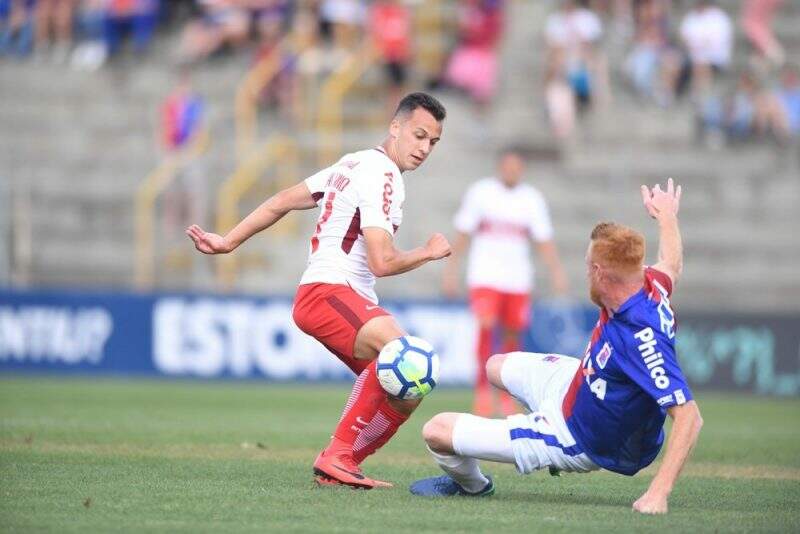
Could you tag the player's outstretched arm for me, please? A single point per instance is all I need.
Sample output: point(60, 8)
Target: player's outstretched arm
point(384, 259)
point(686, 424)
point(663, 206)
point(549, 253)
point(297, 197)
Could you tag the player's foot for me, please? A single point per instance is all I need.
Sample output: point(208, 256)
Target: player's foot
point(339, 466)
point(324, 481)
point(444, 486)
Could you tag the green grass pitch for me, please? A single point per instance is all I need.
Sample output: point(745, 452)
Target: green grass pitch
point(80, 455)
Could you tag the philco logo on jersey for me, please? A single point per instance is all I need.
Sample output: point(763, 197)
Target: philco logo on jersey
point(603, 356)
point(651, 358)
point(387, 193)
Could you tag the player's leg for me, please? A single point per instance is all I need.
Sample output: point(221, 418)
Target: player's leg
point(391, 413)
point(371, 417)
point(514, 319)
point(531, 377)
point(484, 303)
point(334, 314)
point(457, 441)
point(530, 442)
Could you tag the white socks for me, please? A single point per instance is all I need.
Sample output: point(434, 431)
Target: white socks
point(462, 469)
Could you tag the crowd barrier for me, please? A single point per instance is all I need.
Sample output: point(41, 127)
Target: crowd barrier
point(244, 337)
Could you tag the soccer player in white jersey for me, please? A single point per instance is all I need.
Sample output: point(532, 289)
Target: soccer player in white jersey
point(361, 199)
point(498, 219)
point(605, 411)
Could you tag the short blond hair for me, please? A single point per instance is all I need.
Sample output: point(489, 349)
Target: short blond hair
point(618, 247)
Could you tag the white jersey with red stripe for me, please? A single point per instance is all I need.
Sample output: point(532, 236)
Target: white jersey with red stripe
point(501, 221)
point(362, 190)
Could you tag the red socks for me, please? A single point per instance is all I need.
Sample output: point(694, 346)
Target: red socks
point(379, 430)
point(368, 420)
point(364, 401)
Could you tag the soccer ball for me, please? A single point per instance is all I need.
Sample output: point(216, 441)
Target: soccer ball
point(408, 368)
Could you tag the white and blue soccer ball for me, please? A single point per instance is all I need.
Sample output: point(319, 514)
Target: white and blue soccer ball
point(408, 368)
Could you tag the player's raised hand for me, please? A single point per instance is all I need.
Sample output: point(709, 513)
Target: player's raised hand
point(207, 242)
point(658, 202)
point(651, 503)
point(438, 247)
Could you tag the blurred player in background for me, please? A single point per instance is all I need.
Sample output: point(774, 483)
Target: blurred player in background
point(361, 197)
point(606, 411)
point(500, 216)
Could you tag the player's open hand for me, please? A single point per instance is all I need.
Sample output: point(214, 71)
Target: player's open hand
point(651, 503)
point(438, 247)
point(206, 242)
point(658, 202)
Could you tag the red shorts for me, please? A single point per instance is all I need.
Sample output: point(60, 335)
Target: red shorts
point(333, 314)
point(513, 310)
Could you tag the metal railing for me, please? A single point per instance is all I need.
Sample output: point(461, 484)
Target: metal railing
point(429, 21)
point(246, 100)
point(278, 149)
point(147, 195)
point(331, 101)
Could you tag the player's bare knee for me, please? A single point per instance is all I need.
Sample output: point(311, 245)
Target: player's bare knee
point(374, 334)
point(494, 368)
point(438, 432)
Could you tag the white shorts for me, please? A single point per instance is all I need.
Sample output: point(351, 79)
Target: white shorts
point(530, 441)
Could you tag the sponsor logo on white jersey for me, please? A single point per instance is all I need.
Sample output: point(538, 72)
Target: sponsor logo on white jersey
point(652, 359)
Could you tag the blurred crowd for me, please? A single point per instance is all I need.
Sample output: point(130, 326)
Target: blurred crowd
point(664, 51)
point(674, 50)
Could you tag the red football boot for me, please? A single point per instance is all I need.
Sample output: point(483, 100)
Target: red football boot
point(336, 462)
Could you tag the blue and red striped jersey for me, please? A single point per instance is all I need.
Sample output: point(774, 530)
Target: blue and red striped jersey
point(616, 404)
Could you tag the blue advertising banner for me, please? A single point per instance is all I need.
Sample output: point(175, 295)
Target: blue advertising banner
point(233, 337)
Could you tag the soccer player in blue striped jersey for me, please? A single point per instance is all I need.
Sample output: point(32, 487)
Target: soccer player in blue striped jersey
point(606, 410)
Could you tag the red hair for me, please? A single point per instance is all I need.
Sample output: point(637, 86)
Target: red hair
point(617, 247)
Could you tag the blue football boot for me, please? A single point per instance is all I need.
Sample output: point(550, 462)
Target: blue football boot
point(444, 486)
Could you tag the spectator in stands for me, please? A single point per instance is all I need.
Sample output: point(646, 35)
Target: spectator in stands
point(91, 53)
point(788, 96)
point(183, 134)
point(221, 23)
point(390, 29)
point(283, 90)
point(756, 22)
point(16, 27)
point(653, 64)
point(135, 17)
point(341, 22)
point(473, 65)
point(575, 69)
point(750, 112)
point(53, 24)
point(707, 33)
